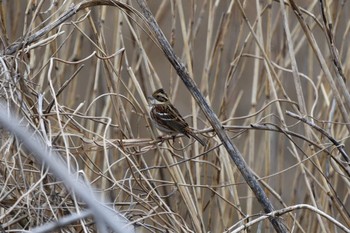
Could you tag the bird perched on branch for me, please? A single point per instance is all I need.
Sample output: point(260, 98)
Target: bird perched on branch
point(167, 118)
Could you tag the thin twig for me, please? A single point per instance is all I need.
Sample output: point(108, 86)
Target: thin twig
point(213, 119)
point(32, 141)
point(339, 146)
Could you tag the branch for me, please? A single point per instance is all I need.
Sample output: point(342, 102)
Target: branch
point(103, 214)
point(213, 119)
point(339, 146)
point(25, 41)
point(286, 210)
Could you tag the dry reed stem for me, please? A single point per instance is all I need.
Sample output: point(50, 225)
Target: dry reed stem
point(274, 72)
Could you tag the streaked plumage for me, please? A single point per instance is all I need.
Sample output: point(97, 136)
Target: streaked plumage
point(167, 118)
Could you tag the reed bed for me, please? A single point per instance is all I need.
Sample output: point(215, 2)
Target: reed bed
point(79, 150)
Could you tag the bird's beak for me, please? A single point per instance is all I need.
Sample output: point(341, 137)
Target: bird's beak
point(151, 100)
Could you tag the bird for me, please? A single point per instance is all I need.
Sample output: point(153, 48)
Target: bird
point(167, 118)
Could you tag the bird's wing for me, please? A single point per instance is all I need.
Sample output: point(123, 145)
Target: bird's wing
point(171, 117)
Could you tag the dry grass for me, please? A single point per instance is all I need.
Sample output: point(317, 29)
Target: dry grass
point(274, 74)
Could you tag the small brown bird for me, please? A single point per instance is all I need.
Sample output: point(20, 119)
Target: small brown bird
point(167, 118)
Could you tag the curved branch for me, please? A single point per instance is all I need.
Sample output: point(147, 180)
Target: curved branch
point(212, 118)
point(74, 9)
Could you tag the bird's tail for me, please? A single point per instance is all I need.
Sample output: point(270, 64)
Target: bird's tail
point(200, 140)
